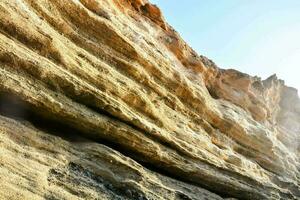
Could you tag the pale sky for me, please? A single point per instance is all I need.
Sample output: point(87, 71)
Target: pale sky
point(259, 37)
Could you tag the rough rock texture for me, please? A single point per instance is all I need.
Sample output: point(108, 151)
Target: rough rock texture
point(102, 99)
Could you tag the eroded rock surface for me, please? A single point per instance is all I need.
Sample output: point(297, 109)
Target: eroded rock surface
point(102, 99)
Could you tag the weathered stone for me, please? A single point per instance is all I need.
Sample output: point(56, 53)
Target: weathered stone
point(104, 100)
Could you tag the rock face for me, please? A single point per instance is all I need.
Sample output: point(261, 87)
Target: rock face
point(102, 99)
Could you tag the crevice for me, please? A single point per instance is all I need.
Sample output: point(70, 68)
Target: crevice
point(13, 107)
point(212, 92)
point(135, 127)
point(87, 101)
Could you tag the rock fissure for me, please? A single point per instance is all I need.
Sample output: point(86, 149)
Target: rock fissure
point(108, 89)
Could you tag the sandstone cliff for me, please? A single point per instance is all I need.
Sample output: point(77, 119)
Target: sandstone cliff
point(102, 99)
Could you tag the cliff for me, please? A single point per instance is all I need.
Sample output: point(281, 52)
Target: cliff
point(102, 99)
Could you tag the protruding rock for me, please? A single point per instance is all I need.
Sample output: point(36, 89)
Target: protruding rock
point(103, 99)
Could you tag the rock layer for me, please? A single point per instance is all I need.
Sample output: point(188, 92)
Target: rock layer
point(103, 99)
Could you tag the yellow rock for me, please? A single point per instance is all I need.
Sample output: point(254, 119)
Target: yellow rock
point(102, 99)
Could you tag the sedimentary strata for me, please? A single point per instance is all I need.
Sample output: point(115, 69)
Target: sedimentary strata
point(102, 99)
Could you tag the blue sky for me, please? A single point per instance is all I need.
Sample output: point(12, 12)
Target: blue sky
point(259, 37)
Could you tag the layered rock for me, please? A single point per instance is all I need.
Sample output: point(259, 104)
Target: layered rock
point(103, 99)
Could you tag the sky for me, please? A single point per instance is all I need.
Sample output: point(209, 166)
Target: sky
point(258, 37)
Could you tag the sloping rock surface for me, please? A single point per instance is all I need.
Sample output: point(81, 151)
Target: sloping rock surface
point(102, 99)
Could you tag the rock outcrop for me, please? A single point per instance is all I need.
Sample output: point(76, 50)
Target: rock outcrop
point(102, 99)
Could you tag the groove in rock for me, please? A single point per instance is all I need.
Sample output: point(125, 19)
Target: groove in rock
point(13, 107)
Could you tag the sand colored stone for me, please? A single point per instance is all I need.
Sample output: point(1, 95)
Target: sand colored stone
point(102, 99)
